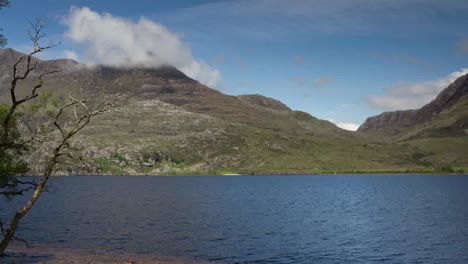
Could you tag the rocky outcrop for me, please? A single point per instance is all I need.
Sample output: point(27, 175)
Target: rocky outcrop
point(263, 102)
point(391, 123)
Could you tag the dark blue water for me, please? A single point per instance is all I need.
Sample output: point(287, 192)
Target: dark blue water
point(274, 219)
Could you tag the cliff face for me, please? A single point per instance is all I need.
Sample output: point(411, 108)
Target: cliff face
point(389, 123)
point(445, 116)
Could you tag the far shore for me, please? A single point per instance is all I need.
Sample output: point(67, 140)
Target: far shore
point(370, 173)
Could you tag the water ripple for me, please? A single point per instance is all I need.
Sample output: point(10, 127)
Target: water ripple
point(277, 219)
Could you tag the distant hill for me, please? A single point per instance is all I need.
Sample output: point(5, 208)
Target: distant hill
point(9, 56)
point(438, 131)
point(171, 123)
point(446, 115)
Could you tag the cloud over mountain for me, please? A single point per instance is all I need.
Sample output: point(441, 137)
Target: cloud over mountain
point(345, 125)
point(412, 95)
point(116, 41)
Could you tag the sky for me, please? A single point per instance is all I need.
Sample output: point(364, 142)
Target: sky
point(338, 60)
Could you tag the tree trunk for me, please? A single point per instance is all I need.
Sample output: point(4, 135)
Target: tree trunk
point(20, 213)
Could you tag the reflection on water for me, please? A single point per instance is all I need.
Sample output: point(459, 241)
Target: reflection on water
point(275, 219)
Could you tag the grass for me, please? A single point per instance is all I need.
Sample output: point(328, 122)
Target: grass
point(443, 152)
point(108, 166)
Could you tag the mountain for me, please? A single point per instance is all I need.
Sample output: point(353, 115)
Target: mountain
point(10, 56)
point(170, 123)
point(446, 115)
point(438, 131)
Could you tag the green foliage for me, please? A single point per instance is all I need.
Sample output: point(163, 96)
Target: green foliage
point(3, 114)
point(13, 133)
point(10, 161)
point(120, 158)
point(10, 166)
point(160, 156)
point(107, 166)
point(3, 40)
point(419, 157)
point(446, 169)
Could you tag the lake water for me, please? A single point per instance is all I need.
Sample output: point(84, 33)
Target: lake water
point(258, 219)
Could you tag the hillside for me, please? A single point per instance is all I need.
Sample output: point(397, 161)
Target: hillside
point(446, 115)
point(170, 123)
point(439, 130)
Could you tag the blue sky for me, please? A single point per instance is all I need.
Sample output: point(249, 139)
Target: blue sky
point(338, 60)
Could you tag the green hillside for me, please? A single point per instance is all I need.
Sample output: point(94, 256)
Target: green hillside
point(171, 124)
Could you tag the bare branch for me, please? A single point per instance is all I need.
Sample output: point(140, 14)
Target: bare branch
point(1, 227)
point(4, 232)
point(22, 241)
point(34, 184)
point(81, 102)
point(35, 35)
point(57, 117)
point(15, 192)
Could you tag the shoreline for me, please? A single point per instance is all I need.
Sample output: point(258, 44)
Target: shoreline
point(263, 174)
point(44, 254)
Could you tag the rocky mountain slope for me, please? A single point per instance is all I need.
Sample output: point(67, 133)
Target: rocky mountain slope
point(446, 115)
point(171, 124)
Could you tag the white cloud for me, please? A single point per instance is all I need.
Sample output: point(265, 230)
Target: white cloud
point(203, 72)
point(69, 54)
point(411, 95)
point(345, 125)
point(116, 41)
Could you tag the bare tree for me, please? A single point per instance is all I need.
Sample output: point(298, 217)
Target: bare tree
point(26, 129)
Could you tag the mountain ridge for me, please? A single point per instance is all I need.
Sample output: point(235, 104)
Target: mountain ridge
point(172, 124)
